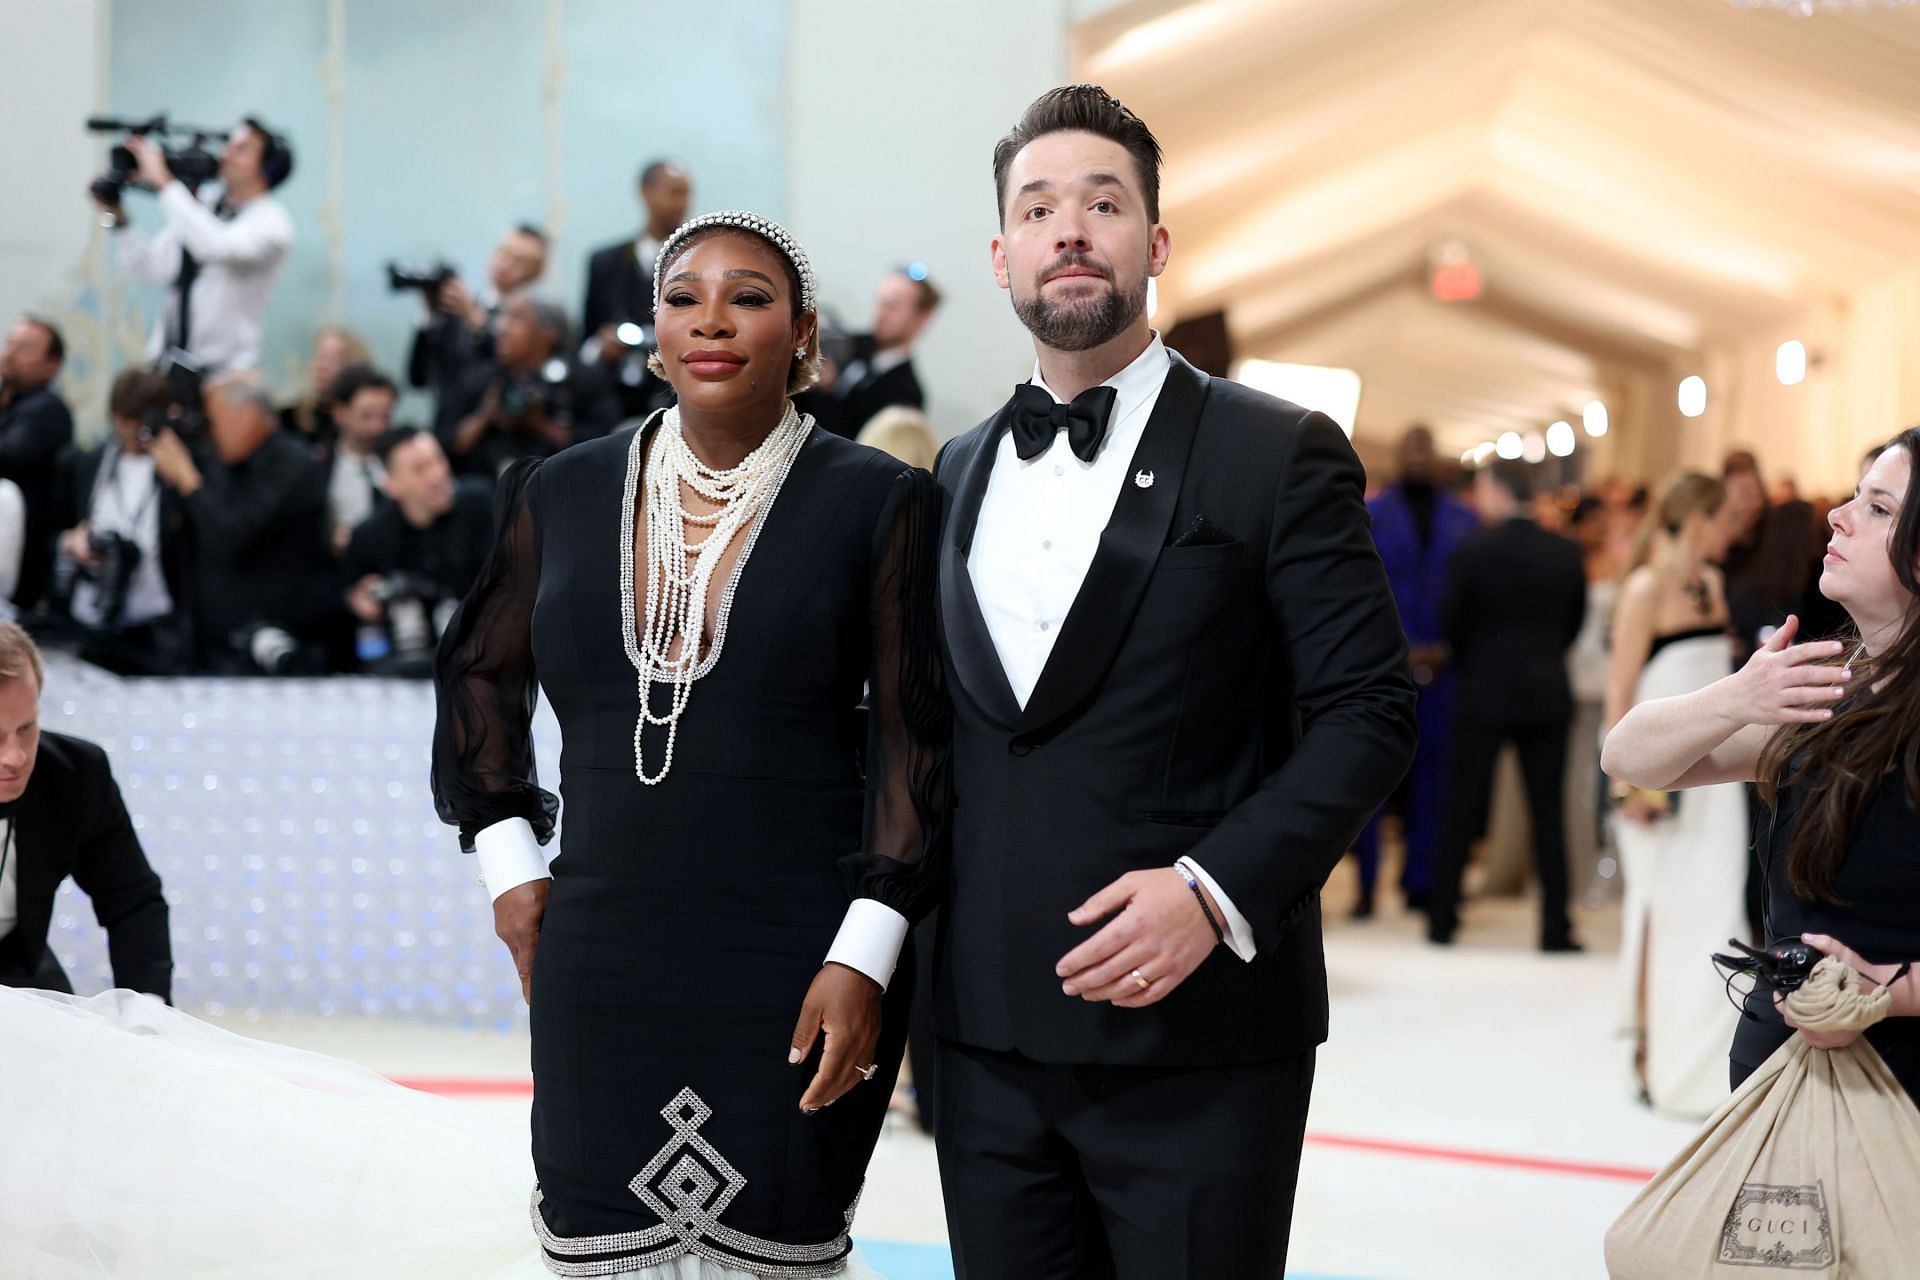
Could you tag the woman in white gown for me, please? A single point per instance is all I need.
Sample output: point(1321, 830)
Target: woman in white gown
point(1684, 863)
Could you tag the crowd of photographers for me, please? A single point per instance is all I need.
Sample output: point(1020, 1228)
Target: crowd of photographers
point(216, 530)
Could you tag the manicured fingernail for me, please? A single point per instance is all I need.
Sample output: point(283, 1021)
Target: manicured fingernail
point(793, 1056)
point(809, 1111)
point(1067, 988)
point(1826, 715)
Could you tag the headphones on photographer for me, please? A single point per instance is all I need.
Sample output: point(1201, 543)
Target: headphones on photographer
point(276, 155)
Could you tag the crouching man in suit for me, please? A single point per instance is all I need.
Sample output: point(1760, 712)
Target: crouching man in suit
point(61, 815)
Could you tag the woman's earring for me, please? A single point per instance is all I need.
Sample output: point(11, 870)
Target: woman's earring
point(800, 353)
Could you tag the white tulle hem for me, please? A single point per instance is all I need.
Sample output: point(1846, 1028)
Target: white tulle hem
point(141, 1142)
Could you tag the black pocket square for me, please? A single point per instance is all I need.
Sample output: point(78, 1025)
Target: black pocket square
point(1203, 533)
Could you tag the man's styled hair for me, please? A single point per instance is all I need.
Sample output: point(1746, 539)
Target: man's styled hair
point(1082, 108)
point(244, 386)
point(548, 314)
point(394, 437)
point(1513, 475)
point(534, 230)
point(929, 299)
point(653, 171)
point(276, 153)
point(136, 393)
point(20, 656)
point(56, 341)
point(354, 379)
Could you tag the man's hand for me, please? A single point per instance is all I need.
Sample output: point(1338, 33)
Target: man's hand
point(517, 915)
point(77, 542)
point(844, 1004)
point(173, 462)
point(152, 162)
point(455, 299)
point(360, 599)
point(1160, 933)
point(612, 350)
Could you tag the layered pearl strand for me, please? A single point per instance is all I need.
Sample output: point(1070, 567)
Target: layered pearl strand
point(679, 572)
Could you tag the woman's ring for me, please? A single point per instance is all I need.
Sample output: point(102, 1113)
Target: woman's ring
point(868, 1073)
point(1140, 980)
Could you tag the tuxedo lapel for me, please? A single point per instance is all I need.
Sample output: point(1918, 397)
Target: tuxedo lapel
point(968, 642)
point(1122, 565)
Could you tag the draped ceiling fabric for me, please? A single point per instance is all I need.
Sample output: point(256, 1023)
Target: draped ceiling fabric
point(1651, 189)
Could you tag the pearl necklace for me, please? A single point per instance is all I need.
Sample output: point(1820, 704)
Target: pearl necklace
point(677, 592)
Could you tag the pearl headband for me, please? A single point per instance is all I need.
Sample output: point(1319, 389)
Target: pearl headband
point(740, 220)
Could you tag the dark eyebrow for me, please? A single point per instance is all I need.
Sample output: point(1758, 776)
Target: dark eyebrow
point(737, 273)
point(1099, 178)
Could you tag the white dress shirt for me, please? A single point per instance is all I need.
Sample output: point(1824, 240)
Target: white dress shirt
point(353, 485)
point(126, 500)
point(240, 258)
point(9, 880)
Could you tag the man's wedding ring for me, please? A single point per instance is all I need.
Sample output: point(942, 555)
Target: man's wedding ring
point(868, 1073)
point(1140, 980)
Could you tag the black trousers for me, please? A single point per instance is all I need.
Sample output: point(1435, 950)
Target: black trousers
point(1119, 1173)
point(1543, 768)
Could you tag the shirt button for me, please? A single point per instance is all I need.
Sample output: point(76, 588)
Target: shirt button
point(1046, 626)
point(1059, 469)
point(1047, 545)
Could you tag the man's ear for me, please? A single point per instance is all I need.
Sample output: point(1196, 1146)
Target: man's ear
point(1000, 275)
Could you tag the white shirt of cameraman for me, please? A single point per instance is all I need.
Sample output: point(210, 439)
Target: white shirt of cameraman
point(240, 258)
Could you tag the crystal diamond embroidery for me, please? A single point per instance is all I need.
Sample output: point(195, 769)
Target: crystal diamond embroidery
point(688, 1184)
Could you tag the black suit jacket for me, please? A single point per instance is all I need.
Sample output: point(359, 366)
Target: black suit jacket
point(72, 822)
point(617, 292)
point(861, 393)
point(1514, 601)
point(1233, 687)
point(34, 429)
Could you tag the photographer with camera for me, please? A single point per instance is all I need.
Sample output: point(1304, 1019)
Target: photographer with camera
point(34, 427)
point(416, 555)
point(123, 561)
point(266, 590)
point(617, 321)
point(529, 400)
point(218, 257)
point(362, 406)
point(460, 324)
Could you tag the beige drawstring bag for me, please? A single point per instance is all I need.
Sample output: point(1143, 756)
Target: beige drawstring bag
point(1811, 1171)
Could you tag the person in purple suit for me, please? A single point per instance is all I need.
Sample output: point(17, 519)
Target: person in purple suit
point(1417, 526)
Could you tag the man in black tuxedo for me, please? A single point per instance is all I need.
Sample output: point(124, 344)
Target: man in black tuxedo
point(61, 815)
point(879, 371)
point(1513, 604)
point(617, 322)
point(1180, 689)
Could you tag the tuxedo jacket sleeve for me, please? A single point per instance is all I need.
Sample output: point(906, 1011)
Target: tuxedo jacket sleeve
point(1341, 645)
point(82, 809)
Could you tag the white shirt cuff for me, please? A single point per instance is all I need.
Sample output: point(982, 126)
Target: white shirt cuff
point(509, 856)
point(1239, 933)
point(870, 939)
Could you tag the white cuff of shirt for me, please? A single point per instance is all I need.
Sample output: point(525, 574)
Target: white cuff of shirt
point(870, 939)
point(1239, 933)
point(509, 856)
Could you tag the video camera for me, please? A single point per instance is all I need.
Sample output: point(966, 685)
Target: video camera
point(193, 163)
point(402, 276)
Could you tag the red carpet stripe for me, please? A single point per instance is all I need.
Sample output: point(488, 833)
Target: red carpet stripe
point(467, 1087)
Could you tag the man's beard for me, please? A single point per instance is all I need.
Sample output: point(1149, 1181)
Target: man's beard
point(1081, 324)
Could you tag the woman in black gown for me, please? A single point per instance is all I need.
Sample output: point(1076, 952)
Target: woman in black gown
point(1830, 729)
point(749, 575)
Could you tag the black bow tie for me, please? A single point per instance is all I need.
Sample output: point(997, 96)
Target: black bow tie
point(1038, 418)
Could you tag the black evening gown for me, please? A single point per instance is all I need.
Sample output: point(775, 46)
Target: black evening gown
point(688, 918)
point(1879, 917)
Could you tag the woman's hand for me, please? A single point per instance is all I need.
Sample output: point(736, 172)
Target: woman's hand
point(1787, 683)
point(844, 1005)
point(517, 916)
point(1878, 974)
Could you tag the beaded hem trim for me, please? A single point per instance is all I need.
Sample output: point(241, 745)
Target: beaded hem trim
point(689, 1184)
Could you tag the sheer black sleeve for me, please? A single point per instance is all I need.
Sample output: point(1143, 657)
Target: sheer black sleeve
point(903, 859)
point(484, 686)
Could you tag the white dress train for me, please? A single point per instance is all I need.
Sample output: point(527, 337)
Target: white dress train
point(140, 1142)
point(1685, 896)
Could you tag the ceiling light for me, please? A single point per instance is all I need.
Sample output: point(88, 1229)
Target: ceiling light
point(1693, 396)
point(1594, 419)
point(1560, 439)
